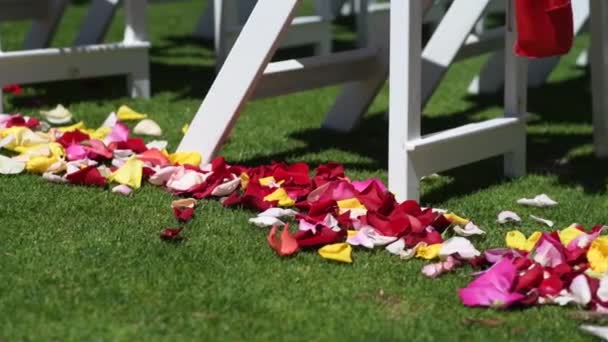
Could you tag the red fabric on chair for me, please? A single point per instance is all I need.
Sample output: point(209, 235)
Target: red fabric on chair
point(545, 27)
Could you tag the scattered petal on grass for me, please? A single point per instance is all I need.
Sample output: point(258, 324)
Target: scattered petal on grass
point(122, 189)
point(110, 121)
point(278, 212)
point(597, 255)
point(157, 144)
point(517, 240)
point(127, 114)
point(10, 166)
point(183, 214)
point(455, 219)
point(493, 288)
point(470, 229)
point(148, 127)
point(596, 330)
point(265, 221)
point(337, 252)
point(57, 116)
point(171, 234)
point(182, 158)
point(542, 220)
point(185, 128)
point(129, 174)
point(286, 245)
point(538, 201)
point(458, 246)
point(53, 178)
point(184, 203)
point(508, 216)
point(439, 268)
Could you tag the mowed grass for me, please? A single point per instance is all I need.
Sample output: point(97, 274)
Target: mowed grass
point(84, 264)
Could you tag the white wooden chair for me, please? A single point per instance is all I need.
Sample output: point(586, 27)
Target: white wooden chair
point(223, 20)
point(491, 78)
point(129, 57)
point(363, 71)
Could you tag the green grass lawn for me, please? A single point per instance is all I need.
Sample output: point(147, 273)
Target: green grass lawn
point(84, 264)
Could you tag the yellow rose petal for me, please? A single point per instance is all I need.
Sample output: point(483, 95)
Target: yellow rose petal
point(598, 255)
point(244, 180)
point(282, 197)
point(77, 126)
point(40, 164)
point(100, 133)
point(517, 240)
point(341, 252)
point(428, 252)
point(126, 114)
point(267, 181)
point(129, 174)
point(569, 234)
point(181, 158)
point(455, 219)
point(351, 233)
point(351, 203)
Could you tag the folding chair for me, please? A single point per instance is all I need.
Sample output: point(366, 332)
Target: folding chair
point(223, 20)
point(491, 78)
point(129, 57)
point(363, 72)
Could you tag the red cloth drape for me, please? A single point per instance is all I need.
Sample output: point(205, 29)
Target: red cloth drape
point(545, 27)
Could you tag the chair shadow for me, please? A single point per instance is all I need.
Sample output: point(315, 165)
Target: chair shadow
point(560, 103)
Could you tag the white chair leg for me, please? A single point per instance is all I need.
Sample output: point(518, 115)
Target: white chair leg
point(97, 21)
point(451, 34)
point(42, 31)
point(138, 81)
point(246, 63)
point(405, 96)
point(516, 72)
point(599, 75)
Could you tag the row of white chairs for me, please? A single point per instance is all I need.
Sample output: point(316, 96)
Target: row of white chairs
point(248, 32)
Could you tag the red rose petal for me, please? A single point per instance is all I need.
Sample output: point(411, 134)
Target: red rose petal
point(171, 234)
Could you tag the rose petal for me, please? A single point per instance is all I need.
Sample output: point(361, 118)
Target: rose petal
point(469, 230)
point(130, 173)
point(278, 212)
point(458, 246)
point(542, 220)
point(127, 114)
point(157, 144)
point(171, 234)
point(266, 221)
point(508, 216)
point(148, 127)
point(538, 201)
point(341, 252)
point(57, 116)
point(598, 331)
point(10, 166)
point(287, 245)
point(122, 189)
point(184, 203)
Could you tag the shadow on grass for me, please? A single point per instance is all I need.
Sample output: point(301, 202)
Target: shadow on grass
point(558, 104)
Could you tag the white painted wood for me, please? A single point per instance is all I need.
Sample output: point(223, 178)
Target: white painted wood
point(599, 75)
point(355, 98)
point(491, 79)
point(295, 75)
point(405, 96)
point(516, 100)
point(246, 63)
point(308, 30)
point(43, 28)
point(53, 64)
point(412, 155)
point(130, 57)
point(443, 47)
